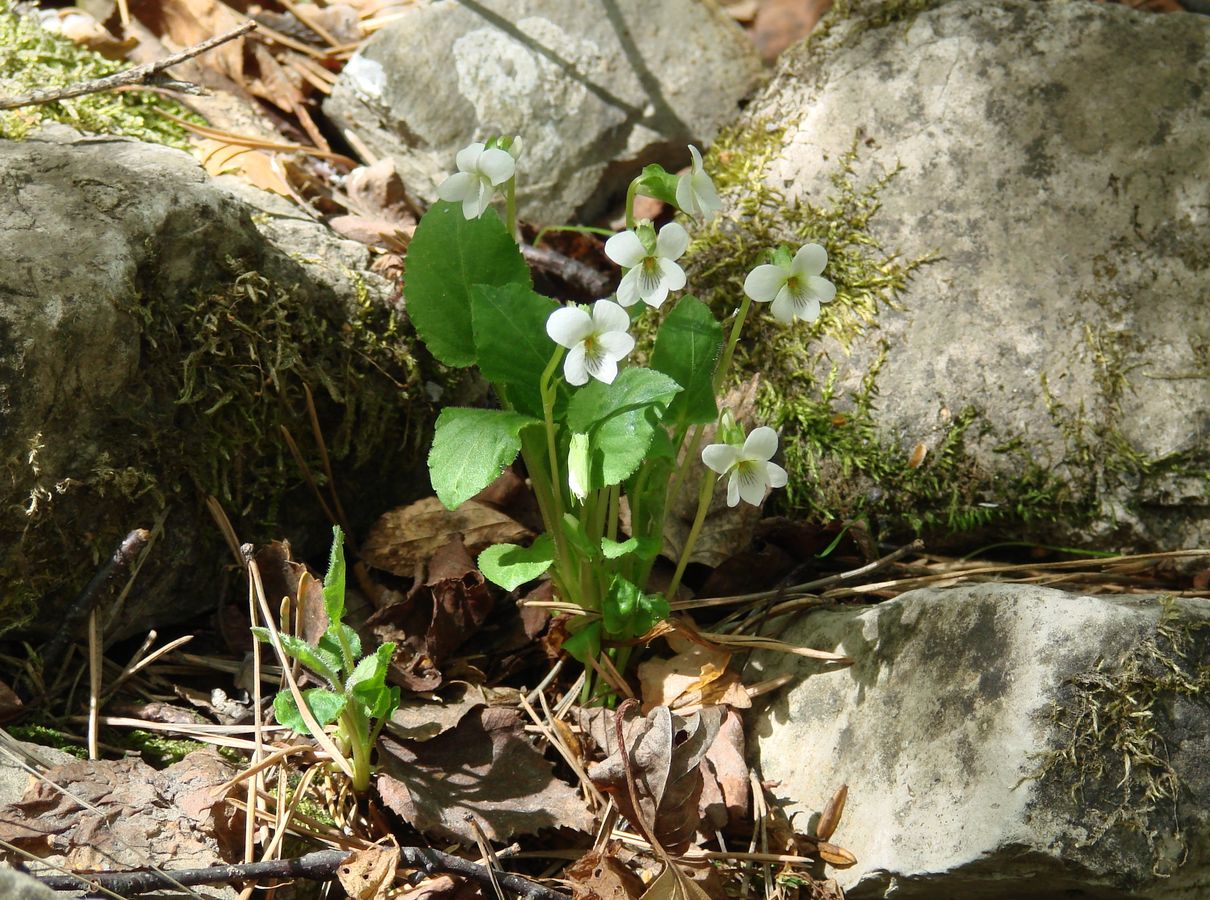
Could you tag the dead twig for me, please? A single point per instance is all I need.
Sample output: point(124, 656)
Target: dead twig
point(144, 74)
point(577, 275)
point(319, 866)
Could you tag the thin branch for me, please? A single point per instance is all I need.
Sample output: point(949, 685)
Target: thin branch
point(573, 272)
point(144, 74)
point(319, 866)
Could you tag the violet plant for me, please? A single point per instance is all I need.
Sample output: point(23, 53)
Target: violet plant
point(593, 431)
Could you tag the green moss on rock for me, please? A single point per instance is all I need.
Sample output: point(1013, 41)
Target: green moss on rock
point(32, 58)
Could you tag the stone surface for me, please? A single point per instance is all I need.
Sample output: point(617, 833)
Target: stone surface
point(596, 90)
point(949, 712)
point(150, 339)
point(19, 886)
point(1053, 155)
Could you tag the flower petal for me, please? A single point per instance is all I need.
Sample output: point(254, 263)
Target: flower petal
point(686, 199)
point(783, 306)
point(672, 242)
point(777, 475)
point(707, 196)
point(656, 296)
point(626, 250)
point(568, 326)
point(628, 289)
point(497, 165)
point(604, 368)
point(752, 483)
point(764, 282)
point(457, 187)
point(616, 344)
point(809, 260)
point(761, 444)
point(697, 158)
point(608, 316)
point(823, 290)
point(720, 457)
point(672, 275)
point(575, 367)
point(468, 157)
point(733, 489)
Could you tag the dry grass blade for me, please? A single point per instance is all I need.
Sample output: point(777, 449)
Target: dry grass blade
point(748, 642)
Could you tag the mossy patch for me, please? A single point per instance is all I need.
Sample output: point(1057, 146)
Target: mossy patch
point(223, 372)
point(841, 465)
point(1113, 723)
point(46, 736)
point(32, 58)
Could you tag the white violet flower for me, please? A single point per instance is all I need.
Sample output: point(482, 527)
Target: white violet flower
point(651, 272)
point(480, 172)
point(796, 289)
point(595, 343)
point(749, 467)
point(695, 192)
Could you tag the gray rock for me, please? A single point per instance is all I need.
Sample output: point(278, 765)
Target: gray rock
point(982, 732)
point(1055, 355)
point(19, 886)
point(596, 90)
point(152, 340)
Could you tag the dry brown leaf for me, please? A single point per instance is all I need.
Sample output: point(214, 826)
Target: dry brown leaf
point(697, 676)
point(174, 817)
point(830, 817)
point(780, 23)
point(673, 884)
point(407, 536)
point(835, 856)
point(259, 168)
point(437, 616)
point(377, 192)
point(10, 703)
point(726, 787)
point(421, 719)
point(373, 232)
point(369, 873)
point(444, 887)
point(485, 767)
point(663, 753)
point(79, 27)
point(600, 875)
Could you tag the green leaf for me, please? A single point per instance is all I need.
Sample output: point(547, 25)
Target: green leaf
point(646, 548)
point(325, 706)
point(585, 644)
point(511, 341)
point(447, 256)
point(330, 640)
point(620, 420)
point(655, 182)
point(510, 565)
point(577, 537)
point(319, 660)
point(334, 581)
point(687, 348)
point(367, 684)
point(471, 447)
point(627, 612)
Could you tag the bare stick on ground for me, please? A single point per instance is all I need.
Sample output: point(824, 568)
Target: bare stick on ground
point(319, 866)
point(146, 74)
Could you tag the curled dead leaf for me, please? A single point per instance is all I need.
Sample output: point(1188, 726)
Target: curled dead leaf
point(369, 873)
point(600, 875)
point(830, 817)
point(834, 855)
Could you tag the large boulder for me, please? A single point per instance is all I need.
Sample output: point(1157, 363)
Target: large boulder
point(595, 90)
point(1013, 195)
point(153, 342)
point(1004, 741)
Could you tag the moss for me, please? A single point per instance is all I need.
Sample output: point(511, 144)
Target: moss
point(32, 58)
point(1111, 723)
point(223, 372)
point(840, 465)
point(158, 750)
point(47, 736)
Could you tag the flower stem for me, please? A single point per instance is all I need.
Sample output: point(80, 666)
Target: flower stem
point(704, 493)
point(510, 208)
point(720, 374)
point(630, 195)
